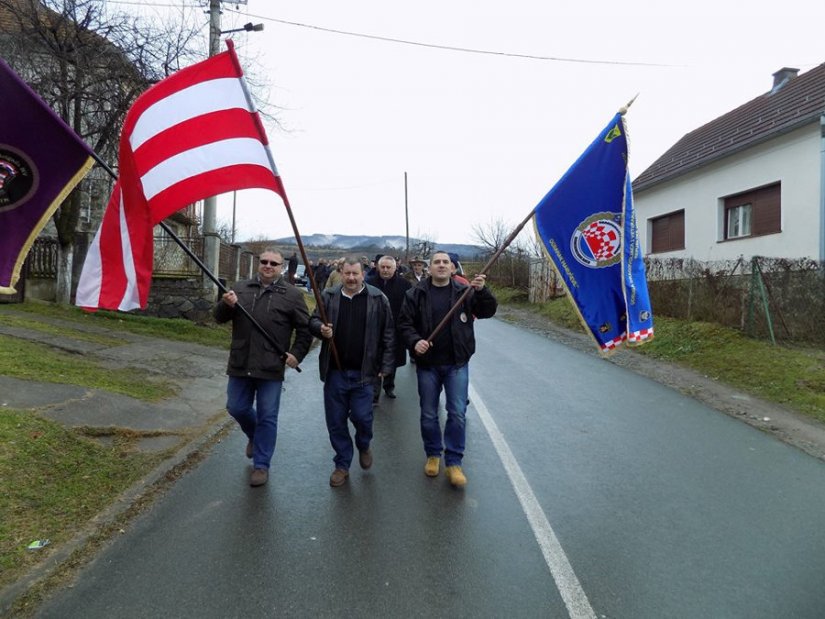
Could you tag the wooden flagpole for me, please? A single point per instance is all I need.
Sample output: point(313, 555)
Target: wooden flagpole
point(507, 241)
point(483, 271)
point(316, 293)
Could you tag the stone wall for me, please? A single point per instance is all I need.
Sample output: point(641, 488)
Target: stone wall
point(181, 298)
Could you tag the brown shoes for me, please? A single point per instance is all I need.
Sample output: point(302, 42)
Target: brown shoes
point(338, 477)
point(431, 468)
point(456, 476)
point(365, 458)
point(249, 449)
point(259, 477)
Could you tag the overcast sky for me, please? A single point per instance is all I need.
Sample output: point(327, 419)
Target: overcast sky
point(485, 136)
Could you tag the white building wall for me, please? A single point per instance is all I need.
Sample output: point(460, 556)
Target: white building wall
point(792, 159)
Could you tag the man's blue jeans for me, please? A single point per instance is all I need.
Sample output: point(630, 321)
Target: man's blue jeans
point(454, 379)
point(347, 398)
point(254, 403)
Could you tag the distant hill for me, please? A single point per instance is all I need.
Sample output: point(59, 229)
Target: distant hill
point(369, 245)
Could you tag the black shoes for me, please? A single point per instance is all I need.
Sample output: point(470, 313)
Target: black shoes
point(390, 393)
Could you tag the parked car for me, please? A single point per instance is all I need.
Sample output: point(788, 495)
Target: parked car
point(301, 278)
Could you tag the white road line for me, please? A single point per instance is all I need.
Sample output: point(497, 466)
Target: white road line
point(575, 599)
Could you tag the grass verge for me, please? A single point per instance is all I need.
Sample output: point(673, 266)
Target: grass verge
point(33, 361)
point(54, 481)
point(793, 376)
point(176, 329)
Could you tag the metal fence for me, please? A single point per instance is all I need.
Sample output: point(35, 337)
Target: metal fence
point(170, 260)
point(774, 298)
point(42, 259)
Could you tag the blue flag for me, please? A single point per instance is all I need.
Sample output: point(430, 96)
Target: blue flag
point(588, 228)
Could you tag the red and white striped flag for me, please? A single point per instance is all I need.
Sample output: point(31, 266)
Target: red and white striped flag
point(193, 135)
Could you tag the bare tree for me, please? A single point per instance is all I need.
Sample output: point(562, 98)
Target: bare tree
point(529, 244)
point(423, 246)
point(492, 235)
point(89, 64)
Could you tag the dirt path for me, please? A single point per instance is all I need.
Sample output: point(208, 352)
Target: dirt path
point(787, 425)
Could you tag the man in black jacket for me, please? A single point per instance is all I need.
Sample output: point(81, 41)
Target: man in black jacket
point(292, 268)
point(256, 369)
point(442, 364)
point(362, 330)
point(388, 281)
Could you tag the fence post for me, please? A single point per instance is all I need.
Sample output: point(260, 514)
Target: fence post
point(765, 301)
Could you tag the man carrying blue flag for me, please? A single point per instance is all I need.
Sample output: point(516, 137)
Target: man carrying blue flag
point(442, 357)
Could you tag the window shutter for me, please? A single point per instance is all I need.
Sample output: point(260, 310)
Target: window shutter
point(668, 233)
point(766, 209)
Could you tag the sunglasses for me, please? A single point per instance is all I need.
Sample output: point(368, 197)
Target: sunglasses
point(270, 263)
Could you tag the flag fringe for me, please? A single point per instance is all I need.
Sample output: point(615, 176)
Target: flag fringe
point(44, 219)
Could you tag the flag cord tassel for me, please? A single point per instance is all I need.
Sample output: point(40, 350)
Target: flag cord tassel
point(206, 271)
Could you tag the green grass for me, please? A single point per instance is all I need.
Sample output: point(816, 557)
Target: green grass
point(38, 362)
point(49, 329)
point(176, 329)
point(793, 376)
point(54, 480)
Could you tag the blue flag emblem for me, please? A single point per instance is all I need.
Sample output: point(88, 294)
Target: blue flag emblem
point(587, 226)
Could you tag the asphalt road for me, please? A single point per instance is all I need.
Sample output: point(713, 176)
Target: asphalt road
point(593, 492)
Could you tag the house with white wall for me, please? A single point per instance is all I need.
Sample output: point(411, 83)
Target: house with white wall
point(749, 183)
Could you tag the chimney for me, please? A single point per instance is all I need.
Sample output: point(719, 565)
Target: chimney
point(782, 77)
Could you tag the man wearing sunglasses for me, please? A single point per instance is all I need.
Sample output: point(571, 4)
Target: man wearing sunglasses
point(256, 369)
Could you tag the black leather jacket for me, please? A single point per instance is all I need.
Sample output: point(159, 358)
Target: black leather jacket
point(379, 335)
point(279, 308)
point(415, 321)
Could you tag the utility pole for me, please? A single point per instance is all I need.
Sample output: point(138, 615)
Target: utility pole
point(407, 219)
point(211, 241)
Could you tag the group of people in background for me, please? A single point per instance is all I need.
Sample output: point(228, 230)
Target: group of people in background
point(370, 317)
point(327, 273)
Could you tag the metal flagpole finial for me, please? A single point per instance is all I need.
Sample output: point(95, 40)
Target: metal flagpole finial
point(623, 110)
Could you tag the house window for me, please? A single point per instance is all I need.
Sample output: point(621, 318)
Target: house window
point(667, 233)
point(86, 212)
point(754, 212)
point(739, 221)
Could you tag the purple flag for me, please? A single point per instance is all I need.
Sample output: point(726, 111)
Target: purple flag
point(41, 161)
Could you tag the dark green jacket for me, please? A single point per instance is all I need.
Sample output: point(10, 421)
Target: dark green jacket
point(280, 309)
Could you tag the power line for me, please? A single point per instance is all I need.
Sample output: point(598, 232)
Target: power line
point(180, 5)
point(451, 48)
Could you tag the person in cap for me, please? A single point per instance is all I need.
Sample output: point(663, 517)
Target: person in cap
point(416, 274)
point(457, 272)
